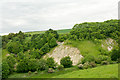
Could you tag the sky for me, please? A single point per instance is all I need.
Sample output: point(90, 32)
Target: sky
point(39, 15)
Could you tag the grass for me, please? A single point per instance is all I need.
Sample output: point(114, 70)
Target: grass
point(107, 71)
point(86, 47)
point(62, 31)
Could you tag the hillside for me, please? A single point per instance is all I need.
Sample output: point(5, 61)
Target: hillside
point(85, 49)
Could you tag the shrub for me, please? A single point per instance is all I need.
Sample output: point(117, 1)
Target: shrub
point(66, 61)
point(88, 58)
point(5, 69)
point(26, 65)
point(60, 67)
point(86, 65)
point(115, 54)
point(14, 47)
point(35, 72)
point(101, 58)
point(80, 66)
point(92, 64)
point(29, 73)
point(104, 63)
point(50, 70)
point(51, 62)
point(42, 65)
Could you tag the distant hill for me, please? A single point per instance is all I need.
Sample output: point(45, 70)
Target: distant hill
point(62, 31)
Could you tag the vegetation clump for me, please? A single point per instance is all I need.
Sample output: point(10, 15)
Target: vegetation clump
point(66, 62)
point(60, 67)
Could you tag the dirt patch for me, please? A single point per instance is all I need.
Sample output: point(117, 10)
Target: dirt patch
point(62, 51)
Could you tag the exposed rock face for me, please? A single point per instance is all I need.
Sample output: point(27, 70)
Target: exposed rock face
point(109, 43)
point(62, 51)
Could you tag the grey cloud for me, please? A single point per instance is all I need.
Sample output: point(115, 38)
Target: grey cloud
point(31, 15)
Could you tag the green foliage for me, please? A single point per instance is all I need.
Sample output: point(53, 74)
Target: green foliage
point(45, 48)
point(42, 65)
point(88, 58)
point(35, 53)
point(14, 47)
point(11, 62)
point(5, 69)
point(104, 63)
point(62, 37)
point(95, 30)
point(101, 58)
point(115, 54)
point(52, 43)
point(66, 62)
point(53, 33)
point(60, 67)
point(51, 62)
point(26, 65)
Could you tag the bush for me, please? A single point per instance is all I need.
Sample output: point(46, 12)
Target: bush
point(5, 69)
point(101, 58)
point(26, 65)
point(51, 62)
point(86, 65)
point(14, 47)
point(92, 64)
point(50, 70)
point(80, 66)
point(60, 67)
point(104, 63)
point(42, 65)
point(35, 72)
point(115, 54)
point(88, 58)
point(66, 61)
point(29, 73)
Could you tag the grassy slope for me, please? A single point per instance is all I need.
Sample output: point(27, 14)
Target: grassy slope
point(107, 71)
point(86, 47)
point(62, 31)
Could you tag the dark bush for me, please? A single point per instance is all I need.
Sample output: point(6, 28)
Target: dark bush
point(115, 54)
point(66, 62)
point(104, 63)
point(51, 62)
point(92, 64)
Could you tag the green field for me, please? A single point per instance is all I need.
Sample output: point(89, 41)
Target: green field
point(86, 47)
point(107, 71)
point(62, 31)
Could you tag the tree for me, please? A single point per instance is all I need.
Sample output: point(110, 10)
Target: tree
point(45, 48)
point(51, 62)
point(5, 69)
point(66, 61)
point(42, 64)
point(14, 47)
point(11, 62)
point(53, 42)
